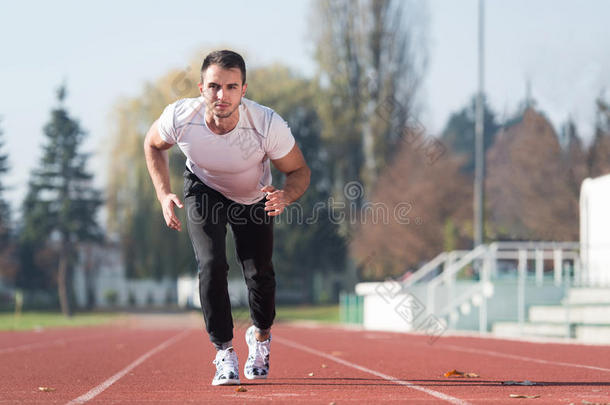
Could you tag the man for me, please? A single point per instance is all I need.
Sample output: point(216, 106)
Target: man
point(228, 142)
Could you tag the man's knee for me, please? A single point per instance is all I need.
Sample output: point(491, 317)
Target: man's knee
point(213, 269)
point(258, 272)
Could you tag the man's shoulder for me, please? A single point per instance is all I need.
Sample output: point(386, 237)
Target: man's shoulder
point(187, 109)
point(257, 116)
point(255, 107)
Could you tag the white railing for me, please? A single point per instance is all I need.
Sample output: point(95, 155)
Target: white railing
point(441, 261)
point(539, 252)
point(484, 260)
point(448, 277)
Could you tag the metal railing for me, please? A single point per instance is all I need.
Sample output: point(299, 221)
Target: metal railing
point(484, 262)
point(443, 260)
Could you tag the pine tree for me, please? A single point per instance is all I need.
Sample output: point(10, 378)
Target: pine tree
point(60, 208)
point(599, 151)
point(459, 132)
point(4, 207)
point(6, 244)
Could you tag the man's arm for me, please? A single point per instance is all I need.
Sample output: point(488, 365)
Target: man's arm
point(157, 161)
point(297, 180)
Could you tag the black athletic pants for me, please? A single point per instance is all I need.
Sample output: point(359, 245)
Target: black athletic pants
point(208, 213)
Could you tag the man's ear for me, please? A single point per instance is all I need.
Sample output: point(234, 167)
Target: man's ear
point(243, 89)
point(200, 85)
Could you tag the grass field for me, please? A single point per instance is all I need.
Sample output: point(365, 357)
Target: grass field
point(36, 320)
point(326, 313)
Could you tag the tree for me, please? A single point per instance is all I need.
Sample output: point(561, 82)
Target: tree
point(7, 264)
point(59, 211)
point(574, 158)
point(306, 240)
point(371, 63)
point(428, 210)
point(458, 134)
point(149, 247)
point(599, 151)
point(529, 194)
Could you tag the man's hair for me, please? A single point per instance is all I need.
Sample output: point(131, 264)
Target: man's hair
point(225, 59)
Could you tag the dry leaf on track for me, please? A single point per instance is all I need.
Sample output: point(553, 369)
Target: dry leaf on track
point(240, 389)
point(459, 374)
point(46, 389)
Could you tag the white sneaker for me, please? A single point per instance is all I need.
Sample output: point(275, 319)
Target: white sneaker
point(227, 367)
point(257, 365)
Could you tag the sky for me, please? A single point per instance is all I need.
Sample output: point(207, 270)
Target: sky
point(107, 50)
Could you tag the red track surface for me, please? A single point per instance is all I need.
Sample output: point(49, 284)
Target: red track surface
point(171, 363)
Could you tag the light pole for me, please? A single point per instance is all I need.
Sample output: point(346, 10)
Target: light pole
point(479, 150)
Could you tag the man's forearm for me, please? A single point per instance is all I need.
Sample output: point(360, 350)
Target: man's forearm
point(157, 162)
point(296, 183)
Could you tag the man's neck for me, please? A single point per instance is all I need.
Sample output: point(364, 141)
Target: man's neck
point(221, 126)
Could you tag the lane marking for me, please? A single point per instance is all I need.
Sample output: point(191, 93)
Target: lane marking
point(387, 377)
point(518, 357)
point(103, 386)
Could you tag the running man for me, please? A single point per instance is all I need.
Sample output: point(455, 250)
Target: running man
point(228, 142)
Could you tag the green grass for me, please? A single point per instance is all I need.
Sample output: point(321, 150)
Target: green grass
point(326, 313)
point(36, 320)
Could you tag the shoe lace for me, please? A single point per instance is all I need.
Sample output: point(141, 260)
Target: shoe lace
point(226, 360)
point(262, 351)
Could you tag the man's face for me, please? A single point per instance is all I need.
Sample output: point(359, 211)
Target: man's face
point(222, 90)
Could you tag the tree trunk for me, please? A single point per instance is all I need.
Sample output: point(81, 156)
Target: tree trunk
point(62, 282)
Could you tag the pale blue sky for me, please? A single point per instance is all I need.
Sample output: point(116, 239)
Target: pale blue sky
point(106, 50)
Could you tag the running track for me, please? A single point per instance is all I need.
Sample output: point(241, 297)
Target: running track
point(167, 359)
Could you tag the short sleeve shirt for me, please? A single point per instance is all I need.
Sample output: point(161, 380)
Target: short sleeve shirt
point(236, 164)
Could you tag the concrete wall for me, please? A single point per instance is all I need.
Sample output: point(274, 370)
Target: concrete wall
point(387, 308)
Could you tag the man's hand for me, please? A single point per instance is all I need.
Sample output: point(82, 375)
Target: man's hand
point(276, 200)
point(171, 219)
point(157, 162)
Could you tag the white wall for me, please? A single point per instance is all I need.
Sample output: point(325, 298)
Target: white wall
point(188, 292)
point(595, 230)
point(105, 269)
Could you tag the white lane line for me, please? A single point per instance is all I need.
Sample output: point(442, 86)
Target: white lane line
point(395, 380)
point(103, 386)
point(517, 357)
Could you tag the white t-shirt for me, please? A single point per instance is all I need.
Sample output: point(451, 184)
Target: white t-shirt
point(235, 164)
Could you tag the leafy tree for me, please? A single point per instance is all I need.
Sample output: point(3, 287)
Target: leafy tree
point(428, 210)
point(306, 240)
point(529, 194)
point(149, 247)
point(371, 62)
point(59, 211)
